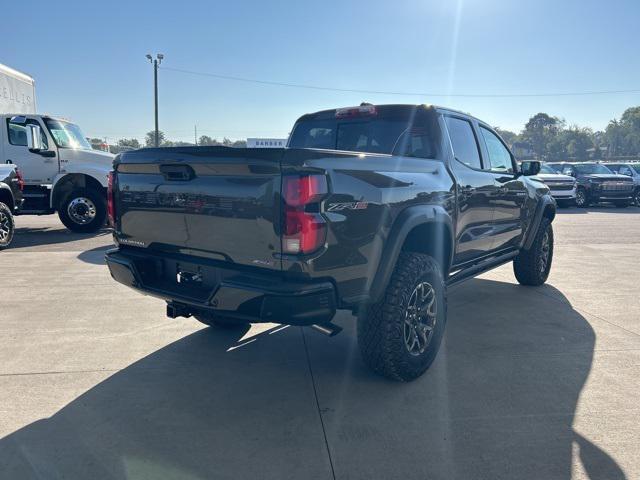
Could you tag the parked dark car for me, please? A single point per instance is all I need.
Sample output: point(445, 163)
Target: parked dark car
point(11, 185)
point(597, 184)
point(372, 209)
point(632, 170)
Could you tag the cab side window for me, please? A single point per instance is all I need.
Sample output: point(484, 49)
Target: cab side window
point(18, 133)
point(624, 170)
point(499, 156)
point(463, 141)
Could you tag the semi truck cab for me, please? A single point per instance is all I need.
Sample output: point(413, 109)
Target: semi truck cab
point(60, 169)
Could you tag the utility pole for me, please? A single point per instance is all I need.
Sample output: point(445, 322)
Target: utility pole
point(195, 135)
point(155, 61)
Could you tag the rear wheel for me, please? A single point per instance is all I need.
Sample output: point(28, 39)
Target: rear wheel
point(582, 199)
point(400, 335)
point(220, 322)
point(7, 226)
point(532, 266)
point(83, 210)
point(636, 198)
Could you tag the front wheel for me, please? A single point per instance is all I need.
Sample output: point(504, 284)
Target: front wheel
point(532, 266)
point(7, 226)
point(636, 198)
point(582, 199)
point(400, 335)
point(83, 210)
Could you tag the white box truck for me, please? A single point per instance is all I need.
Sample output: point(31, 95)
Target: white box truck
point(61, 172)
point(17, 91)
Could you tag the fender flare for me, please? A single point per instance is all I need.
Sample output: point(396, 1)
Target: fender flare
point(544, 202)
point(4, 187)
point(406, 221)
point(54, 198)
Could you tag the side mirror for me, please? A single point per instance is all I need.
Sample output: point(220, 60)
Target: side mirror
point(531, 167)
point(34, 137)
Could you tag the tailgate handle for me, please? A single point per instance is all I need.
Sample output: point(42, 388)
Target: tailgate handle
point(177, 172)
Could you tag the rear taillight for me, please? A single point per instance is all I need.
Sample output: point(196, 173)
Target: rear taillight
point(111, 208)
point(304, 227)
point(20, 179)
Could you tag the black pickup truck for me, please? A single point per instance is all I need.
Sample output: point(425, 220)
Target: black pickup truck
point(11, 185)
point(372, 209)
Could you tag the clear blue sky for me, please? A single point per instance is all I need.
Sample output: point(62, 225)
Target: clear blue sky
point(89, 65)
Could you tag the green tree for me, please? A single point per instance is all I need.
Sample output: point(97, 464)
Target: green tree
point(207, 140)
point(614, 136)
point(540, 131)
point(129, 142)
point(623, 136)
point(508, 136)
point(150, 138)
point(578, 141)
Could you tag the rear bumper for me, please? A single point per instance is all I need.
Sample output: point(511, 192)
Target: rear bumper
point(243, 295)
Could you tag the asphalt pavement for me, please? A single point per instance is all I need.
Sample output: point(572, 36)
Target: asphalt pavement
point(530, 383)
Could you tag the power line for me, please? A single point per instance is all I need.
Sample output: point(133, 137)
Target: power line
point(406, 94)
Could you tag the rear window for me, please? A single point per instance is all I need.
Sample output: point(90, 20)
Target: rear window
point(377, 134)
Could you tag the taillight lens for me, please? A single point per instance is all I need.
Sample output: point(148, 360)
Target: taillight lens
point(111, 208)
point(304, 231)
point(20, 179)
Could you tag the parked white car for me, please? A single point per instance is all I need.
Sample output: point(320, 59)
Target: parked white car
point(563, 187)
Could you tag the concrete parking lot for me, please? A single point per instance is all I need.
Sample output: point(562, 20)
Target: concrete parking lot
point(530, 383)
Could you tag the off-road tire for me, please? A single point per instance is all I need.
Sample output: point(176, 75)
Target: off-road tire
point(381, 326)
point(527, 265)
point(220, 322)
point(582, 202)
point(7, 224)
point(100, 202)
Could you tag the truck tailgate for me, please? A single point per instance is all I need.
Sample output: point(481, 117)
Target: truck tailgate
point(214, 202)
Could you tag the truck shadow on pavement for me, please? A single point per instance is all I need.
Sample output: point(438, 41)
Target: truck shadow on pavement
point(95, 255)
point(26, 237)
point(499, 402)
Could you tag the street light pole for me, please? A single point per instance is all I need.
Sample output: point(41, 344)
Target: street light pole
point(156, 61)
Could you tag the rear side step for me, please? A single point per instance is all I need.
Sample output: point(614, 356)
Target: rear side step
point(479, 268)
